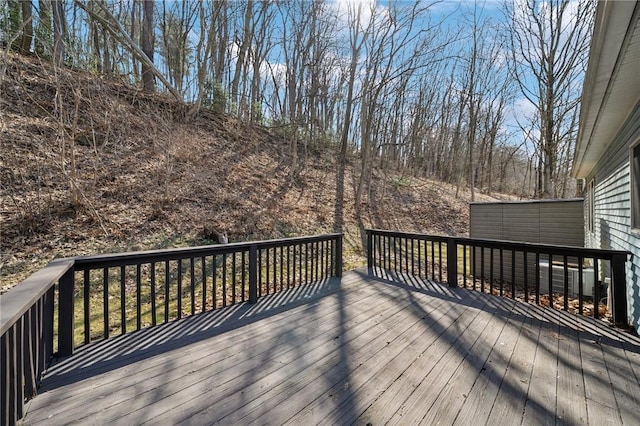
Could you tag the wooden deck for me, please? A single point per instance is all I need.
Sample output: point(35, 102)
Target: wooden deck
point(359, 350)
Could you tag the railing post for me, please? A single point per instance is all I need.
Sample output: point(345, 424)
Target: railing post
point(369, 252)
point(619, 290)
point(65, 314)
point(452, 262)
point(253, 273)
point(9, 375)
point(338, 259)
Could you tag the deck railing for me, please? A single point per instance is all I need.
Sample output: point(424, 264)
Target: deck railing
point(532, 272)
point(72, 302)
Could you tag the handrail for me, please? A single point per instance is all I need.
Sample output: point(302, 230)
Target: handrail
point(236, 272)
point(117, 259)
point(20, 298)
point(415, 254)
point(533, 247)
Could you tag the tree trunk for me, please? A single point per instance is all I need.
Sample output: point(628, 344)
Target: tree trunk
point(59, 24)
point(43, 39)
point(242, 53)
point(147, 38)
point(27, 31)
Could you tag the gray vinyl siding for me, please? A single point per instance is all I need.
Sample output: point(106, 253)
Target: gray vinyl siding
point(612, 208)
point(486, 219)
point(521, 222)
point(559, 222)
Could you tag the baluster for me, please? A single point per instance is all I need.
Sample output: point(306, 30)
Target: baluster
point(105, 301)
point(433, 261)
point(464, 266)
point(482, 269)
point(501, 272)
point(244, 275)
point(550, 275)
point(179, 288)
point(491, 270)
point(192, 281)
point(87, 318)
point(440, 261)
point(537, 278)
point(566, 282)
point(301, 281)
point(580, 285)
point(167, 288)
point(233, 277)
point(266, 256)
point(259, 272)
point(224, 279)
point(526, 276)
point(203, 265)
point(275, 270)
point(153, 293)
point(138, 296)
point(123, 306)
point(289, 266)
point(474, 267)
point(596, 289)
point(281, 267)
point(513, 274)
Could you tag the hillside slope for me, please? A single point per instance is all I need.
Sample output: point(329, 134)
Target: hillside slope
point(91, 165)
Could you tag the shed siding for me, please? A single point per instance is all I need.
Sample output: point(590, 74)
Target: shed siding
point(488, 220)
point(562, 223)
point(548, 222)
point(612, 208)
point(558, 222)
point(521, 222)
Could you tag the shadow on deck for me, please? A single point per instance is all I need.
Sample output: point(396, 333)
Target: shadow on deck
point(359, 349)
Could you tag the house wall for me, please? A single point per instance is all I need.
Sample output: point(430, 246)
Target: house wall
point(612, 208)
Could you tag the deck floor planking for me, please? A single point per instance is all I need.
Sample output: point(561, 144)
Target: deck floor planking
point(362, 350)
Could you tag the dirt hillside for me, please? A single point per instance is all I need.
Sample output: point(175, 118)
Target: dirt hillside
point(93, 165)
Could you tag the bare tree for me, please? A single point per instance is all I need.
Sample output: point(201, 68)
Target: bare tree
point(487, 88)
point(357, 38)
point(399, 42)
point(176, 24)
point(549, 43)
point(113, 26)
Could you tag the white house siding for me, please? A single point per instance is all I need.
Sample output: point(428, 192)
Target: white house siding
point(612, 208)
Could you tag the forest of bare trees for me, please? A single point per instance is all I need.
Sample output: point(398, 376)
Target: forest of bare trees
point(479, 96)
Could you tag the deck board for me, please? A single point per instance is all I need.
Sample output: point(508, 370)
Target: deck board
point(540, 407)
point(451, 353)
point(315, 412)
point(360, 350)
point(453, 397)
point(480, 399)
point(571, 406)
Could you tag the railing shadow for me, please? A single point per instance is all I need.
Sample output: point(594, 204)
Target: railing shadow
point(116, 352)
point(563, 323)
point(597, 329)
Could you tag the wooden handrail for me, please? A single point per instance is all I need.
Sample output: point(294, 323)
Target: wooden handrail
point(15, 302)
